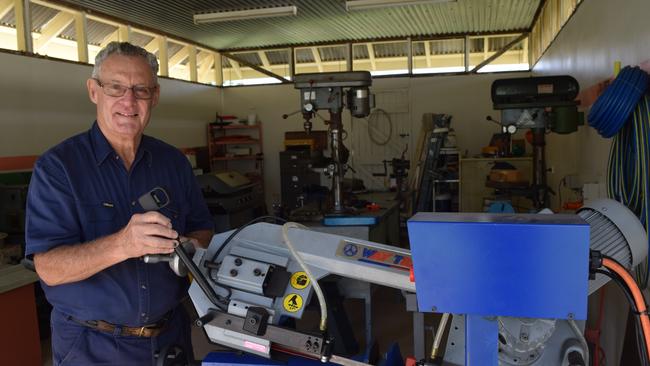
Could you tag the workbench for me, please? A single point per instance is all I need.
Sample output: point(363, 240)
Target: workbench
point(380, 226)
point(18, 316)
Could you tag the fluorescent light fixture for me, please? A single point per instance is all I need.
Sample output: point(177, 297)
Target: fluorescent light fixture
point(374, 4)
point(230, 15)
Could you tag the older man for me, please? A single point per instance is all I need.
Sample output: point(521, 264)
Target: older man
point(86, 230)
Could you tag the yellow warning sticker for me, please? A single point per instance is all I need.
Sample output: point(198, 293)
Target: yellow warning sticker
point(299, 280)
point(292, 303)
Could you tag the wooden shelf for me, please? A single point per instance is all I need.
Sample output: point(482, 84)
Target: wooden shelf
point(235, 126)
point(237, 142)
point(221, 139)
point(245, 157)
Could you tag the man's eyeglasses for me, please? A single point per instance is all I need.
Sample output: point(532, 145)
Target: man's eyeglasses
point(118, 90)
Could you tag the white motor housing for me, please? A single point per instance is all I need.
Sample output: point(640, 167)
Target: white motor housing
point(616, 232)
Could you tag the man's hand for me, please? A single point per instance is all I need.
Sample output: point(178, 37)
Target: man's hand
point(147, 233)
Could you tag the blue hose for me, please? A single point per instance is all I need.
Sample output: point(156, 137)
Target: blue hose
point(615, 105)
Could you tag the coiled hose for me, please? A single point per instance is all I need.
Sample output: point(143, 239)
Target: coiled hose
point(614, 106)
point(623, 111)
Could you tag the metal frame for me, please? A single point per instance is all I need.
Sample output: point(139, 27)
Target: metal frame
point(25, 43)
point(349, 59)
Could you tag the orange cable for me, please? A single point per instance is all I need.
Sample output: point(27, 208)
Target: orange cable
point(636, 294)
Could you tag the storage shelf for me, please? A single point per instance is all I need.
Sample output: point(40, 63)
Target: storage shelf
point(237, 142)
point(245, 157)
point(235, 127)
point(221, 140)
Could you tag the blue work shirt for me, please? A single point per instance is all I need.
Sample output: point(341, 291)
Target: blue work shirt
point(80, 190)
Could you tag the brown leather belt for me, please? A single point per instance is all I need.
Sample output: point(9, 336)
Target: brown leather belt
point(146, 331)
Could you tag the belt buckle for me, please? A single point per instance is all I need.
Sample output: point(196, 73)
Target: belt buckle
point(141, 331)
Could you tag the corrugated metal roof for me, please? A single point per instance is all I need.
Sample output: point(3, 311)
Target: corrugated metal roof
point(319, 21)
point(96, 31)
point(40, 15)
point(392, 49)
point(333, 53)
point(278, 57)
point(8, 20)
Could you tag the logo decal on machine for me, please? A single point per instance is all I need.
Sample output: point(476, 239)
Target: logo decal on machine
point(299, 280)
point(367, 254)
point(292, 303)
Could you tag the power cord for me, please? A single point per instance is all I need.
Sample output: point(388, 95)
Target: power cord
point(303, 265)
point(372, 117)
point(609, 267)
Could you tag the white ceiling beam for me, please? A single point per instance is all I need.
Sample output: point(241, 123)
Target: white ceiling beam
point(202, 56)
point(486, 48)
point(235, 66)
point(54, 6)
point(163, 57)
point(23, 25)
point(81, 32)
point(124, 33)
point(108, 39)
point(371, 56)
point(5, 7)
point(52, 29)
point(153, 45)
point(205, 60)
point(218, 70)
point(192, 62)
point(317, 58)
point(179, 57)
point(264, 59)
point(205, 65)
point(427, 52)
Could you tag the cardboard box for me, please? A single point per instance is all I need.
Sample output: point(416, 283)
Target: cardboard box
point(505, 175)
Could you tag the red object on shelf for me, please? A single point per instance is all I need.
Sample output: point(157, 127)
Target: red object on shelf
point(373, 207)
point(221, 138)
point(572, 205)
point(529, 136)
point(410, 361)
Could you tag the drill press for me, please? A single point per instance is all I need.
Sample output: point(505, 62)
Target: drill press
point(332, 92)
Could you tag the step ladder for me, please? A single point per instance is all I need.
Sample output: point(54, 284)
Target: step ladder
point(435, 141)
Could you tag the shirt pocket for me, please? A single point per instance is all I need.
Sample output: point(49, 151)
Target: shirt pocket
point(97, 220)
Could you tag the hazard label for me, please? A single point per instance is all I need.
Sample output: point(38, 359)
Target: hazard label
point(292, 303)
point(299, 280)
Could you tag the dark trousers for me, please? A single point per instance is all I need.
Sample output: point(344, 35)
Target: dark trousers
point(76, 344)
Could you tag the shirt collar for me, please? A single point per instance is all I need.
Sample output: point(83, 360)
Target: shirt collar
point(103, 148)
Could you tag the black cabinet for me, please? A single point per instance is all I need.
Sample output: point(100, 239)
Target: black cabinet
point(300, 173)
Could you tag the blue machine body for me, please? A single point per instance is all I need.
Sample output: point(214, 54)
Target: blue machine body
point(518, 265)
point(350, 220)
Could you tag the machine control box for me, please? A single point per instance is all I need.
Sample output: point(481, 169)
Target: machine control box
point(519, 265)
